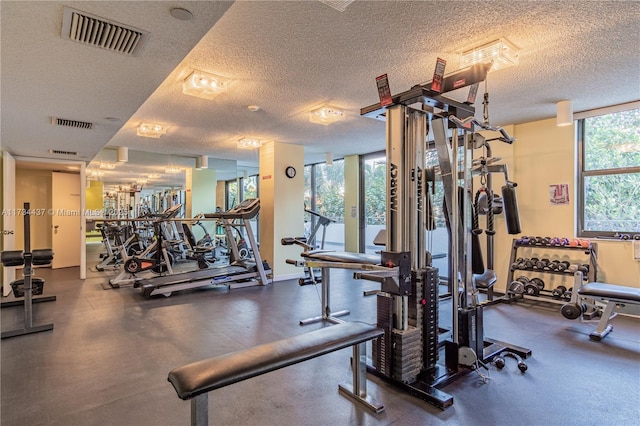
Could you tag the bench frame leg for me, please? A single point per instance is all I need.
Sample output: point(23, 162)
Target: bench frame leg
point(327, 315)
point(358, 390)
point(604, 327)
point(200, 410)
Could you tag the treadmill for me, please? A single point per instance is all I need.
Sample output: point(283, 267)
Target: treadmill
point(239, 273)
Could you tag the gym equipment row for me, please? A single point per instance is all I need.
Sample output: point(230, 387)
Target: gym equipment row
point(29, 285)
point(600, 300)
point(546, 265)
point(536, 287)
point(239, 273)
point(515, 288)
point(553, 242)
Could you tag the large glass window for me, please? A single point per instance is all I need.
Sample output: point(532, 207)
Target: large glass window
point(324, 194)
point(231, 189)
point(609, 182)
point(374, 176)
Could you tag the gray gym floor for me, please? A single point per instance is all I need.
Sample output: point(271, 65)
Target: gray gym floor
point(107, 359)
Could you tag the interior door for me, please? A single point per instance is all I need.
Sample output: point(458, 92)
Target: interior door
point(66, 220)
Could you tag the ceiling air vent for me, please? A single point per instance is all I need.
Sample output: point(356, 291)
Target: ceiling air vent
point(57, 151)
point(103, 33)
point(71, 123)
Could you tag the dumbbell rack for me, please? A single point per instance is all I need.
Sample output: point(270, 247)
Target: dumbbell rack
point(590, 252)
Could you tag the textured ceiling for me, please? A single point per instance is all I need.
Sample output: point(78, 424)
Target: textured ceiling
point(288, 57)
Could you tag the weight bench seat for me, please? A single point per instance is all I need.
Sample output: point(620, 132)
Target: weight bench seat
point(342, 256)
point(616, 299)
point(610, 291)
point(195, 380)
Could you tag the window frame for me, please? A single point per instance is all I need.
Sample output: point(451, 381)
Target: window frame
point(582, 174)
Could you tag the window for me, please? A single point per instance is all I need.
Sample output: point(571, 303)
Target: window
point(609, 174)
point(324, 193)
point(374, 175)
point(231, 189)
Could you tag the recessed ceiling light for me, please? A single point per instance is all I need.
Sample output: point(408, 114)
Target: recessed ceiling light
point(253, 108)
point(181, 14)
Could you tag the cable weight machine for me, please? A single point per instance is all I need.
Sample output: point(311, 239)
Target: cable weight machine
point(408, 354)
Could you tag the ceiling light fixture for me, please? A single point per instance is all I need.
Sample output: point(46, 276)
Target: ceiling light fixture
point(123, 154)
point(501, 52)
point(202, 162)
point(181, 14)
point(204, 85)
point(326, 115)
point(249, 143)
point(172, 170)
point(151, 130)
point(564, 115)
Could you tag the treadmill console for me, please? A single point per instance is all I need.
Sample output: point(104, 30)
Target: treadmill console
point(247, 209)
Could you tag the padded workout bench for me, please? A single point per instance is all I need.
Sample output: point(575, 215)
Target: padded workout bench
point(325, 261)
point(194, 381)
point(588, 300)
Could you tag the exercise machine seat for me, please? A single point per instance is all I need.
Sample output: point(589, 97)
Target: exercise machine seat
point(486, 279)
point(204, 376)
point(610, 291)
point(342, 256)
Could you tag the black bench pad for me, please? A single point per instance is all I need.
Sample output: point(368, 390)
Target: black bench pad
point(611, 291)
point(204, 376)
point(342, 256)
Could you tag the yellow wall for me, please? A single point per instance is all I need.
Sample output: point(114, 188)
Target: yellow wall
point(94, 194)
point(34, 187)
point(351, 203)
point(544, 154)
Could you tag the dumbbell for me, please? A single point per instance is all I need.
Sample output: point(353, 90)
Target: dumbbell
point(555, 241)
point(530, 263)
point(516, 265)
point(558, 291)
point(572, 310)
point(542, 263)
point(532, 287)
point(567, 294)
point(545, 241)
point(562, 265)
point(517, 287)
point(523, 241)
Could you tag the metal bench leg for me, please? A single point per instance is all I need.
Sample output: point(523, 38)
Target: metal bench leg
point(358, 391)
point(327, 315)
point(604, 327)
point(200, 410)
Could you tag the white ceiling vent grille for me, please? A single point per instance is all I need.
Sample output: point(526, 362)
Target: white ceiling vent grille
point(71, 123)
point(103, 33)
point(57, 151)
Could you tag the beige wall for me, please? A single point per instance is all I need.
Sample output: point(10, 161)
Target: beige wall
point(544, 154)
point(34, 187)
point(281, 206)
